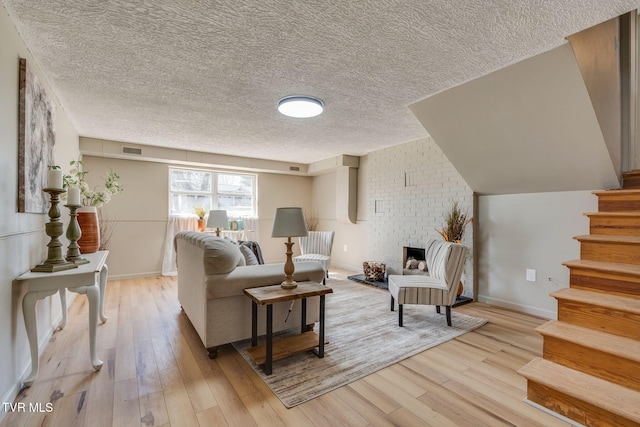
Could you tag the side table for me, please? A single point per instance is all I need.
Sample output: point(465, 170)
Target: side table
point(81, 280)
point(265, 354)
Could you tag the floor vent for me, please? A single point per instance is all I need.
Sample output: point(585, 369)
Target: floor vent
point(294, 168)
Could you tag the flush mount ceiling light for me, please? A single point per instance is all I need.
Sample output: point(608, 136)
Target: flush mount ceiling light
point(300, 106)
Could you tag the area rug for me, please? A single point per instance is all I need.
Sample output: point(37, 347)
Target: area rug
point(364, 337)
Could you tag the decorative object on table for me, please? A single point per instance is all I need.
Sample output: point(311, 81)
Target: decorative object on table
point(54, 261)
point(289, 222)
point(73, 229)
point(218, 219)
point(201, 213)
point(374, 271)
point(36, 139)
point(89, 240)
point(106, 227)
point(91, 200)
point(456, 221)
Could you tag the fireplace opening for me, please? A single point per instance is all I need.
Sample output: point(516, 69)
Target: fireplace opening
point(417, 258)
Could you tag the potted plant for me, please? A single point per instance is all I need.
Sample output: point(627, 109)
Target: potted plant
point(91, 200)
point(456, 221)
point(455, 225)
point(201, 213)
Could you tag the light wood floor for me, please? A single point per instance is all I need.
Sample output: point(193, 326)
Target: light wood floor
point(156, 373)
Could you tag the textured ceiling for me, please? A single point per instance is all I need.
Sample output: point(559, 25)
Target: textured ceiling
point(206, 75)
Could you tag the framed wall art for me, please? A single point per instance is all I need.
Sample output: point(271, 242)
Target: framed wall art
point(36, 141)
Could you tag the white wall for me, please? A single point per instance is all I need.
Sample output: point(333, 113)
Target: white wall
point(139, 214)
point(529, 231)
point(22, 237)
point(352, 236)
point(409, 211)
point(276, 191)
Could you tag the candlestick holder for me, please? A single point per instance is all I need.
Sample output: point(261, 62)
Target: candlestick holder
point(53, 229)
point(73, 235)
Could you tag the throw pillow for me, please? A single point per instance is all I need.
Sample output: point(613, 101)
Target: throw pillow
point(422, 266)
point(249, 256)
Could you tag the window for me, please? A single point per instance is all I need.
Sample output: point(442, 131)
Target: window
point(189, 188)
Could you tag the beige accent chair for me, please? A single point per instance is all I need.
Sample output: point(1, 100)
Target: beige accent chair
point(316, 246)
point(445, 261)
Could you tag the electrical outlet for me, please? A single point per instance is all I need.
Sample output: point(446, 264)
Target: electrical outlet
point(345, 248)
point(531, 275)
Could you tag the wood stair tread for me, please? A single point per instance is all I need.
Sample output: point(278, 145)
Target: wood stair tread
point(612, 267)
point(607, 238)
point(618, 214)
point(595, 391)
point(612, 344)
point(615, 192)
point(611, 301)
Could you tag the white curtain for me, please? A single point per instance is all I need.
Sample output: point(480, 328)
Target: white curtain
point(175, 224)
point(251, 229)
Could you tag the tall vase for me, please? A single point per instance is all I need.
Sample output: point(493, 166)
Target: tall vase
point(201, 224)
point(89, 242)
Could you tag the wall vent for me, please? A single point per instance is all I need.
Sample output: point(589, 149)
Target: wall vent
point(294, 168)
point(131, 150)
point(410, 179)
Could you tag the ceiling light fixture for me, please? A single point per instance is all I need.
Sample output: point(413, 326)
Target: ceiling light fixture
point(300, 106)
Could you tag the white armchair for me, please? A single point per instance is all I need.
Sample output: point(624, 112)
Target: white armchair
point(316, 246)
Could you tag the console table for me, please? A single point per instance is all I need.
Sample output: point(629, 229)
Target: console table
point(81, 280)
point(269, 295)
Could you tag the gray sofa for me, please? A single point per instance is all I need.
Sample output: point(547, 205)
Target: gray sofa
point(212, 276)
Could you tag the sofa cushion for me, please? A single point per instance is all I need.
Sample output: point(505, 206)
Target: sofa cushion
point(220, 256)
point(252, 276)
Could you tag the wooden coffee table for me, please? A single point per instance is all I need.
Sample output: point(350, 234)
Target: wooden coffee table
point(265, 354)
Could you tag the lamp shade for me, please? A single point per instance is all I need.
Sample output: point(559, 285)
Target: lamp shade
point(217, 219)
point(289, 222)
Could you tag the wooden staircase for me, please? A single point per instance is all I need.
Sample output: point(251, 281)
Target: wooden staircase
point(590, 369)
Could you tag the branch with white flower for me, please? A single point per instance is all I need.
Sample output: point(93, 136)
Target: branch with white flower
point(88, 196)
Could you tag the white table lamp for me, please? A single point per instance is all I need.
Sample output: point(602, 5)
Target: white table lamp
point(289, 222)
point(217, 219)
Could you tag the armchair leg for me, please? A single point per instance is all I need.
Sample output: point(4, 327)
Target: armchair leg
point(392, 303)
point(400, 315)
point(448, 315)
point(438, 309)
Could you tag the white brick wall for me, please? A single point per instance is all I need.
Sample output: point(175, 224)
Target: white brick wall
point(409, 189)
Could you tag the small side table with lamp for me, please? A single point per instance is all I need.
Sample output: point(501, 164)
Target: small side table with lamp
point(218, 219)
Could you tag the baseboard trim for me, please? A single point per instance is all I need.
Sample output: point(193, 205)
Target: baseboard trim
point(534, 311)
point(135, 275)
point(346, 267)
